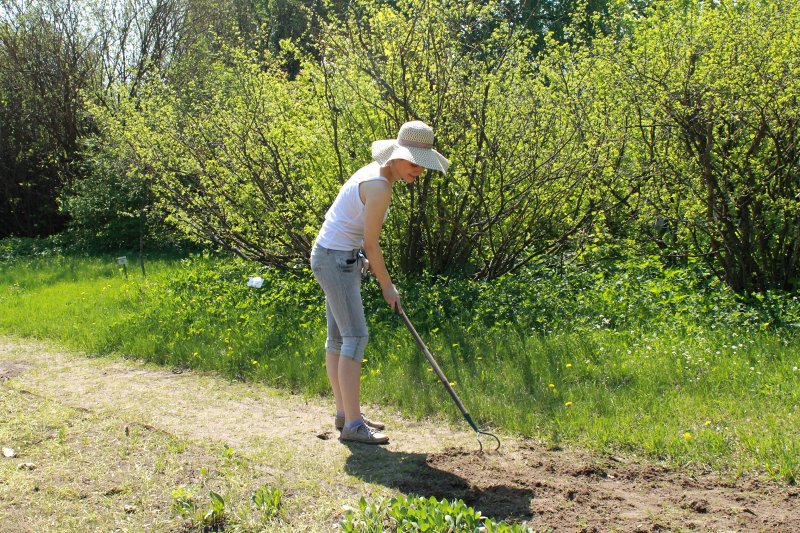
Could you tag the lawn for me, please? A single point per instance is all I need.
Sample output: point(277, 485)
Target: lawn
point(638, 358)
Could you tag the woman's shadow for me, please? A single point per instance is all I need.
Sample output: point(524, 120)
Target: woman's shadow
point(410, 473)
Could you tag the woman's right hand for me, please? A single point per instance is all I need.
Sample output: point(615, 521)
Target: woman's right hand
point(392, 297)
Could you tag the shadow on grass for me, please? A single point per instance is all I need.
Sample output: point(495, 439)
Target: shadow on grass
point(410, 473)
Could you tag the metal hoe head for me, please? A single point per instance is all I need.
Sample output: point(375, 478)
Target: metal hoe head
point(478, 433)
point(480, 444)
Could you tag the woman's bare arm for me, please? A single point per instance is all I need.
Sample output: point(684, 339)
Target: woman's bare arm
point(376, 196)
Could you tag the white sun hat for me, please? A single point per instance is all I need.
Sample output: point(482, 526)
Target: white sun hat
point(414, 143)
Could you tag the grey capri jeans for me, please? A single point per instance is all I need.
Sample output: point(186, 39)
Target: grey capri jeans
point(339, 274)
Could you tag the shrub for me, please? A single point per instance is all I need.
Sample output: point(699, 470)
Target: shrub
point(417, 513)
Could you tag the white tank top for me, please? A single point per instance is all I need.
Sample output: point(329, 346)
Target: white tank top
point(343, 228)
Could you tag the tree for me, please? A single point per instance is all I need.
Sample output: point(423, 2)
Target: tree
point(714, 90)
point(569, 21)
point(520, 183)
point(246, 158)
point(45, 63)
point(232, 155)
point(109, 203)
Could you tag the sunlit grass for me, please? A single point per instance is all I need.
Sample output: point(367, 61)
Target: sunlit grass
point(79, 302)
point(685, 391)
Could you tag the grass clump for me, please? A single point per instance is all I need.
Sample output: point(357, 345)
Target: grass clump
point(209, 518)
point(268, 500)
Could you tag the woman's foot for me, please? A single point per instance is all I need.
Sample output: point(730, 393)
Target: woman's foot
point(364, 434)
point(374, 424)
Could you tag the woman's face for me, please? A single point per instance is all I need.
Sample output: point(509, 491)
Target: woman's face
point(406, 170)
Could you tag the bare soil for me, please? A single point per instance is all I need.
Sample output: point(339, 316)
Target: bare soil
point(293, 438)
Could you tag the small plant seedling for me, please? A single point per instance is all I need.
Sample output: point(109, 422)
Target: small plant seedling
point(185, 505)
point(268, 500)
point(215, 515)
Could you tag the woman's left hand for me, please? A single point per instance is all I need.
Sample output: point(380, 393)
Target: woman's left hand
point(392, 298)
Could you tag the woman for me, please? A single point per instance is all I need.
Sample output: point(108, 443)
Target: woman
point(354, 222)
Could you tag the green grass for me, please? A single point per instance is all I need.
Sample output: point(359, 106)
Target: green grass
point(680, 372)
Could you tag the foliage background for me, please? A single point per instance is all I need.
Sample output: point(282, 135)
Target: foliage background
point(666, 128)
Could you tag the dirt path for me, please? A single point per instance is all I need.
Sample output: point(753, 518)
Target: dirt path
point(289, 441)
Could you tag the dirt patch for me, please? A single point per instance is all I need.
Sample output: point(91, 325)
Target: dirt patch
point(577, 491)
point(11, 369)
point(570, 490)
point(293, 440)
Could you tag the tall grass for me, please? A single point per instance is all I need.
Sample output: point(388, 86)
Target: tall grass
point(635, 359)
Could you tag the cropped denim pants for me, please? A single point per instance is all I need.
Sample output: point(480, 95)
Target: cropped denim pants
point(339, 274)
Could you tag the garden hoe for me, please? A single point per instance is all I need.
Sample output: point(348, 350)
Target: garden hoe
point(446, 383)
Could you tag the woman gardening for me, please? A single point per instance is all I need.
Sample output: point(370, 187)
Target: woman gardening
point(353, 223)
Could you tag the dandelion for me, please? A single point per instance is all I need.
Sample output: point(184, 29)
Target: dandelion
point(708, 423)
point(569, 365)
point(568, 404)
point(687, 436)
point(254, 362)
point(552, 386)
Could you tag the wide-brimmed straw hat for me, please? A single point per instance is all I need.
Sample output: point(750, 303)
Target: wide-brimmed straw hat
point(414, 143)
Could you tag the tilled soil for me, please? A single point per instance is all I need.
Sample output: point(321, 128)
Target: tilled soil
point(577, 491)
point(556, 490)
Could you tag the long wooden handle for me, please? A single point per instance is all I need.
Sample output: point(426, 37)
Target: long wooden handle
point(436, 369)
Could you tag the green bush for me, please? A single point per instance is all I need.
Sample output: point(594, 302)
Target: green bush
point(14, 248)
point(631, 294)
point(417, 513)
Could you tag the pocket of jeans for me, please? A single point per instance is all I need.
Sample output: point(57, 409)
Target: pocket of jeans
point(345, 264)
